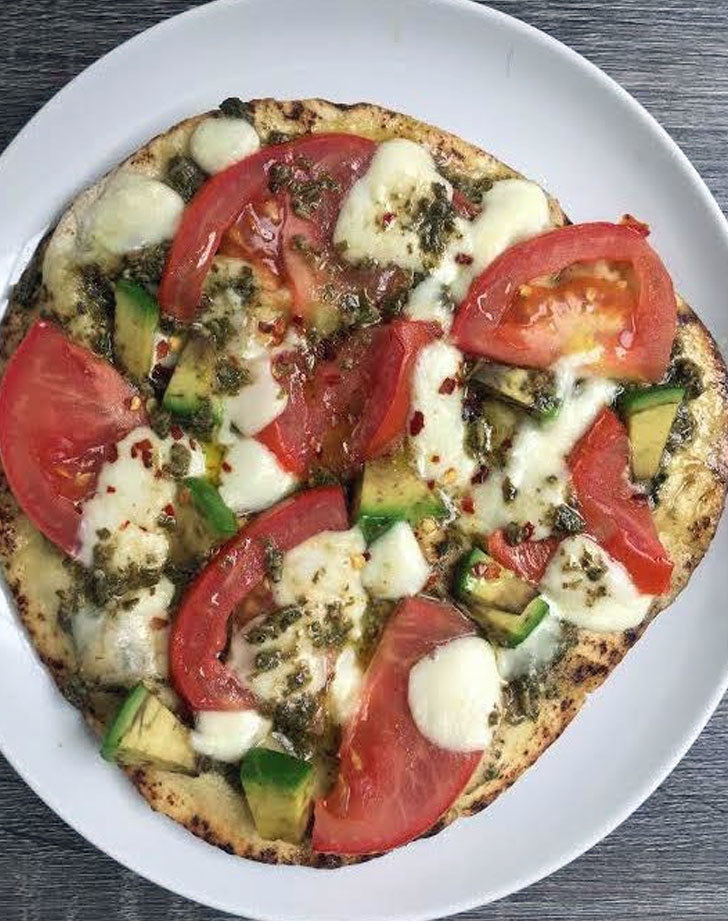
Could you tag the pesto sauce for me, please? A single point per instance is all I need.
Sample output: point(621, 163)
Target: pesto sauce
point(435, 220)
point(229, 376)
point(185, 177)
point(234, 107)
point(96, 299)
point(145, 266)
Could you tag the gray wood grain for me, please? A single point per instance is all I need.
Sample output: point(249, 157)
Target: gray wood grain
point(669, 862)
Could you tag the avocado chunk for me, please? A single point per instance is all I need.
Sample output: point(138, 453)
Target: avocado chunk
point(491, 433)
point(531, 389)
point(509, 629)
point(190, 387)
point(136, 316)
point(144, 731)
point(481, 584)
point(218, 517)
point(279, 791)
point(649, 413)
point(390, 491)
point(214, 456)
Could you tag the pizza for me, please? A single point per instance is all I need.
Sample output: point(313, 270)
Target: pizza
point(340, 467)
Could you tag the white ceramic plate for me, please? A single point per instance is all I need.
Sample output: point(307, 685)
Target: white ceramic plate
point(557, 118)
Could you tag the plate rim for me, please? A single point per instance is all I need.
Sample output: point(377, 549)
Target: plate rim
point(586, 841)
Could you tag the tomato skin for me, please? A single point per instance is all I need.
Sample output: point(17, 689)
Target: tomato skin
point(529, 559)
point(199, 631)
point(238, 195)
point(617, 518)
point(488, 323)
point(61, 408)
point(393, 783)
point(354, 406)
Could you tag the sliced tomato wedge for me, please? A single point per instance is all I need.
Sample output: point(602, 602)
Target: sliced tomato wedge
point(352, 407)
point(616, 517)
point(200, 629)
point(61, 409)
point(528, 559)
point(393, 783)
point(261, 220)
point(506, 318)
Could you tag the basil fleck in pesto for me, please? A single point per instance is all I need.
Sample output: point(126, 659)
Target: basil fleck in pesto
point(230, 376)
point(435, 220)
point(274, 625)
point(185, 177)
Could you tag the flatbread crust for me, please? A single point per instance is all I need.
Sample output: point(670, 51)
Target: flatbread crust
point(692, 500)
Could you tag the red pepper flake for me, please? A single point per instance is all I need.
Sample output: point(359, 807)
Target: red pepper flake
point(169, 510)
point(430, 484)
point(435, 458)
point(298, 320)
point(276, 330)
point(527, 530)
point(158, 623)
point(265, 327)
point(226, 467)
point(112, 454)
point(480, 476)
point(193, 443)
point(387, 218)
point(367, 555)
point(448, 385)
point(486, 571)
point(162, 349)
point(125, 525)
point(111, 489)
point(463, 259)
point(176, 432)
point(417, 423)
point(467, 505)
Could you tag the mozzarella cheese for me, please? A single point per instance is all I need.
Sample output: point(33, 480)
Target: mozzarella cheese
point(453, 692)
point(254, 479)
point(255, 405)
point(590, 589)
point(126, 642)
point(323, 570)
point(377, 216)
point(346, 685)
point(226, 735)
point(513, 210)
point(217, 143)
point(131, 493)
point(320, 576)
point(536, 465)
point(133, 211)
point(537, 651)
point(439, 445)
point(396, 565)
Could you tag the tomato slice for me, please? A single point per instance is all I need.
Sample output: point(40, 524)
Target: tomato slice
point(533, 326)
point(353, 406)
point(61, 409)
point(617, 518)
point(528, 559)
point(393, 783)
point(199, 631)
point(261, 221)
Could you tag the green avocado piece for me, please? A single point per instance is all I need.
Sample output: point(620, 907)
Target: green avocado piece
point(531, 389)
point(136, 316)
point(649, 413)
point(390, 491)
point(144, 731)
point(191, 383)
point(481, 584)
point(279, 791)
point(219, 518)
point(510, 629)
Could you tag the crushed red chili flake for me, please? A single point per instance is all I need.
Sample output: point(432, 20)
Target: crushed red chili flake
point(435, 458)
point(169, 510)
point(193, 443)
point(111, 489)
point(467, 505)
point(486, 570)
point(276, 330)
point(176, 432)
point(226, 467)
point(125, 525)
point(430, 484)
point(527, 530)
point(112, 454)
point(158, 623)
point(387, 218)
point(162, 349)
point(463, 259)
point(367, 555)
point(417, 422)
point(143, 447)
point(480, 476)
point(447, 386)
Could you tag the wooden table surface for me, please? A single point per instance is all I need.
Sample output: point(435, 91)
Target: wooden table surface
point(669, 861)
